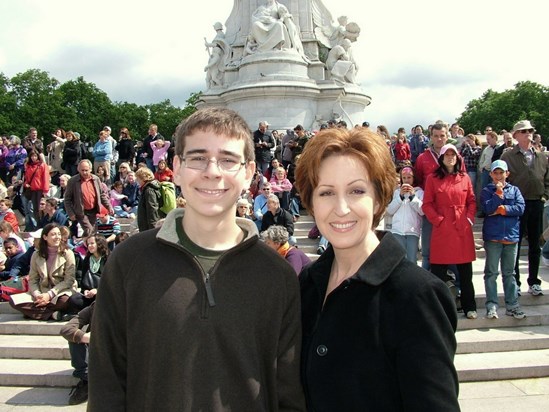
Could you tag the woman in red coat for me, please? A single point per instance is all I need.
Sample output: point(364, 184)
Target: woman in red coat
point(449, 204)
point(37, 179)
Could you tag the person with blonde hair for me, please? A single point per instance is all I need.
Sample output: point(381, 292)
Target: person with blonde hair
point(378, 330)
point(148, 208)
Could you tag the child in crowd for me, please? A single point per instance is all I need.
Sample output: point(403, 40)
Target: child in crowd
point(405, 209)
point(281, 186)
point(503, 205)
point(117, 197)
point(160, 151)
point(7, 215)
point(163, 172)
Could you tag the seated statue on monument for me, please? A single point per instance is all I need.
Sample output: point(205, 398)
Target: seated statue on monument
point(219, 57)
point(273, 28)
point(341, 64)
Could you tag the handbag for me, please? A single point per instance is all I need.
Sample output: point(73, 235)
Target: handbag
point(13, 286)
point(90, 280)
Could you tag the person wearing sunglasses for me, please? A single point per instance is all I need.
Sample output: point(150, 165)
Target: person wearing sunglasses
point(528, 170)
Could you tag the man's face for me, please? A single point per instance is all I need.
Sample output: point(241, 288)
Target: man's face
point(508, 139)
point(524, 137)
point(3, 207)
point(49, 209)
point(212, 193)
point(85, 170)
point(263, 128)
point(152, 131)
point(491, 140)
point(33, 134)
point(455, 130)
point(266, 190)
point(10, 249)
point(418, 130)
point(300, 133)
point(439, 138)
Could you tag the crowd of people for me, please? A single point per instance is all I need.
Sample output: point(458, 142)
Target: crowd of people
point(205, 256)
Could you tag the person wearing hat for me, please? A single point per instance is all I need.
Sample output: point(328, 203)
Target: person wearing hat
point(450, 206)
point(529, 172)
point(503, 205)
point(263, 143)
point(243, 209)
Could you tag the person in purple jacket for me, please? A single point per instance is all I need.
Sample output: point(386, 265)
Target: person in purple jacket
point(276, 237)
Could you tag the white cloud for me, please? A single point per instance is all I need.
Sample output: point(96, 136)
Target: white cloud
point(419, 61)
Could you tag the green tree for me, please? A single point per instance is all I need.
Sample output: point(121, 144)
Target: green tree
point(89, 108)
point(7, 107)
point(37, 102)
point(528, 100)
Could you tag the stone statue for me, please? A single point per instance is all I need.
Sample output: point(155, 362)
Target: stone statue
point(341, 64)
point(220, 52)
point(273, 28)
point(331, 34)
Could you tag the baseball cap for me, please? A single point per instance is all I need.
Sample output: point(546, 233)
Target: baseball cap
point(447, 147)
point(37, 234)
point(499, 164)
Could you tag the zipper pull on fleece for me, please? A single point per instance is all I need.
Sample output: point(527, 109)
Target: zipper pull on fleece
point(209, 292)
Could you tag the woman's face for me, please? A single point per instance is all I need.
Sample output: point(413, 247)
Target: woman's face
point(53, 238)
point(449, 160)
point(344, 204)
point(280, 175)
point(92, 245)
point(162, 165)
point(274, 163)
point(123, 170)
point(242, 210)
point(34, 157)
point(271, 244)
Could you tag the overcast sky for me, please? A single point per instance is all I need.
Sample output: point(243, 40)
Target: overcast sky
point(419, 60)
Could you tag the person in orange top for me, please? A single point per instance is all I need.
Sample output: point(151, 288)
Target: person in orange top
point(7, 215)
point(163, 172)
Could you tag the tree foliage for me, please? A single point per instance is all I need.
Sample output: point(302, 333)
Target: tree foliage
point(34, 99)
point(501, 110)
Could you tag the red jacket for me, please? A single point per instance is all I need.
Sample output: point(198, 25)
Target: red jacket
point(402, 151)
point(165, 175)
point(450, 205)
point(40, 180)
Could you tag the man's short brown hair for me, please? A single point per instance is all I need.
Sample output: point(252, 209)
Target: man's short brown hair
point(221, 121)
point(367, 147)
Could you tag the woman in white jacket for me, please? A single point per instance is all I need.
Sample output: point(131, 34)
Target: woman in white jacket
point(405, 209)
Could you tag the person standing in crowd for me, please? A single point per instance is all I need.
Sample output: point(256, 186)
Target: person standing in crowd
point(148, 209)
point(426, 164)
point(15, 159)
point(405, 210)
point(36, 182)
point(55, 155)
point(418, 143)
point(32, 141)
point(508, 144)
point(485, 160)
point(503, 205)
point(528, 171)
point(84, 198)
point(378, 331)
point(263, 142)
point(125, 148)
point(239, 299)
point(73, 152)
point(147, 149)
point(450, 206)
point(102, 153)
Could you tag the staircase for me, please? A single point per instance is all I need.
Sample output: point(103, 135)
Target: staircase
point(33, 354)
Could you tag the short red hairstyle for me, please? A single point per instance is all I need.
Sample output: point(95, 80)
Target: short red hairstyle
point(367, 147)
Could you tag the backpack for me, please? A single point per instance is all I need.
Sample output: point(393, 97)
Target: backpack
point(167, 197)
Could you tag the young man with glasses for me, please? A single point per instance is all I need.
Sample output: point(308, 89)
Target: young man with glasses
point(529, 172)
point(199, 314)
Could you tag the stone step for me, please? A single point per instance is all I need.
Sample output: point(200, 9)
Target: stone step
point(36, 372)
point(498, 339)
point(39, 399)
point(535, 315)
point(33, 347)
point(475, 367)
point(15, 324)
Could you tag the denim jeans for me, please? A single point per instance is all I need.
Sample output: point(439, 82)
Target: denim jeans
point(426, 229)
point(497, 252)
point(531, 222)
point(484, 179)
point(410, 244)
point(79, 360)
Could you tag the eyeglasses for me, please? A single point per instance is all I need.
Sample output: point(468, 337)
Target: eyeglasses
point(226, 164)
point(524, 131)
point(266, 188)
